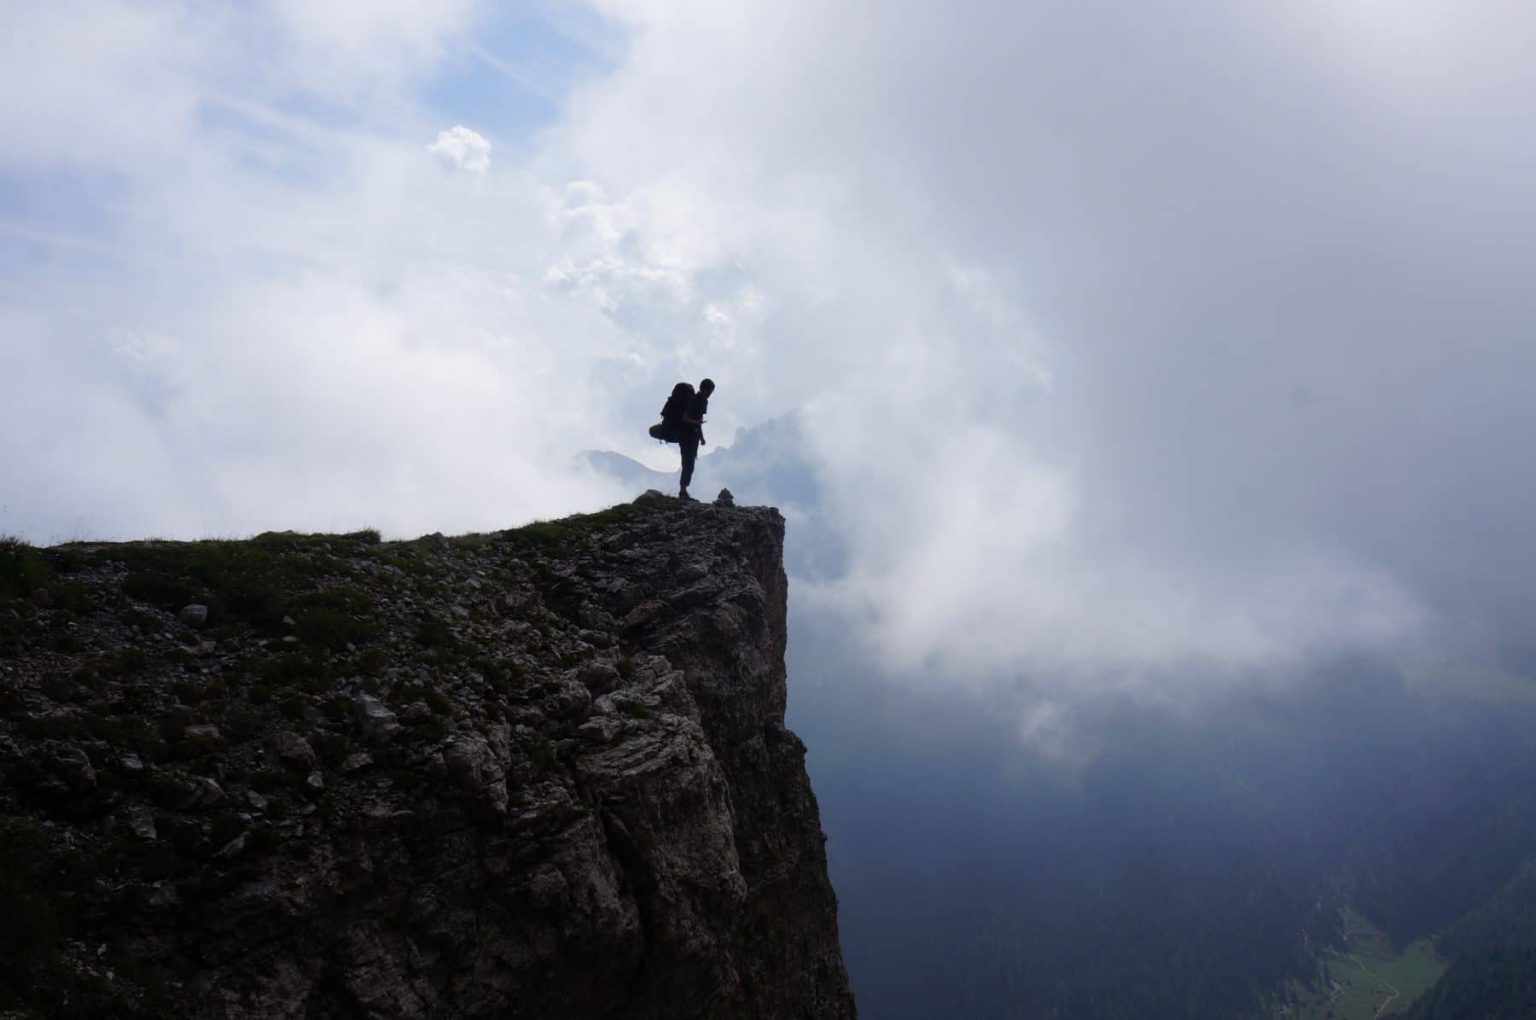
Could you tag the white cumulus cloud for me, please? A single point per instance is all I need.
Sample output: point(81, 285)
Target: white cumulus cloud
point(462, 148)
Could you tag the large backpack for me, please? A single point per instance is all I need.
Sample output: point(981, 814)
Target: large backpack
point(670, 429)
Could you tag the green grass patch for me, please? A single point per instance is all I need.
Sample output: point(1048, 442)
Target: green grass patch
point(547, 535)
point(437, 701)
point(1368, 977)
point(23, 569)
point(335, 618)
point(434, 633)
point(251, 582)
point(569, 533)
point(244, 581)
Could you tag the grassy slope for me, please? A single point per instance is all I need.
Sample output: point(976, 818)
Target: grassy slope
point(1368, 972)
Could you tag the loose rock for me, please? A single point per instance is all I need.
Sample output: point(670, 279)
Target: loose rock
point(377, 723)
point(288, 749)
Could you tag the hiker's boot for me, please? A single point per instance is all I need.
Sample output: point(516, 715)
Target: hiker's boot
point(682, 494)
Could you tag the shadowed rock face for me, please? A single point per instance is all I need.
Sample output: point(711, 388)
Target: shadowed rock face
point(540, 773)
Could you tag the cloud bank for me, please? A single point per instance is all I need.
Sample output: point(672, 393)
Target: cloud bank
point(1136, 340)
point(1133, 342)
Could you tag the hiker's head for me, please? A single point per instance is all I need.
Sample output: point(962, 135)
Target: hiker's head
point(707, 387)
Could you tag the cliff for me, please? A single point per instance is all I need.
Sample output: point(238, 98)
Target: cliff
point(536, 773)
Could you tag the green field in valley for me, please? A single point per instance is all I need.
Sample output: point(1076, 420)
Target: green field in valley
point(1367, 979)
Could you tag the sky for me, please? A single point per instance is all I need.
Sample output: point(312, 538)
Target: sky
point(1137, 345)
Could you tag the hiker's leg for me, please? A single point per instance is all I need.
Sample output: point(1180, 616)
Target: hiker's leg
point(690, 448)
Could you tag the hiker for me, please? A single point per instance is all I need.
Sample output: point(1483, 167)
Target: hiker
point(691, 436)
point(682, 422)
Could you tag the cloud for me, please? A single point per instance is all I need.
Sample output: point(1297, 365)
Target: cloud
point(1050, 282)
point(461, 148)
point(96, 80)
point(355, 51)
point(1134, 344)
point(288, 319)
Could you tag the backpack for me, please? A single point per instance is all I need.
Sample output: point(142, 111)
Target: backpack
point(670, 428)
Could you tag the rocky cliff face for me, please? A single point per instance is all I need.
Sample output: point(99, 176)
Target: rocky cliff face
point(538, 773)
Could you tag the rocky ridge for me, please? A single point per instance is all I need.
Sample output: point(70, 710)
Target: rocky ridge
point(532, 773)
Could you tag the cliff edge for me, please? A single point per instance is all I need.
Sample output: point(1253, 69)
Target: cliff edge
point(535, 773)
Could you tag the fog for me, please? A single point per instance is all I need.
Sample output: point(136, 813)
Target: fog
point(1134, 344)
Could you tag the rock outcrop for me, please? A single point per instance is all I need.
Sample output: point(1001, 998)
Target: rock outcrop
point(537, 773)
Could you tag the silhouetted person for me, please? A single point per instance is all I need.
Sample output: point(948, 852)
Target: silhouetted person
point(692, 433)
